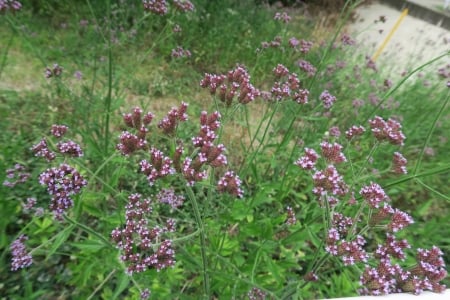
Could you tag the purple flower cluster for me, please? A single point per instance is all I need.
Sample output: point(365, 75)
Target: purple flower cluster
point(158, 167)
point(354, 131)
point(169, 197)
point(58, 130)
point(332, 152)
point(16, 175)
point(329, 180)
point(373, 194)
point(287, 86)
point(256, 294)
point(308, 161)
point(291, 219)
point(10, 5)
point(70, 148)
point(327, 99)
point(231, 184)
point(347, 40)
point(387, 278)
point(41, 150)
point(284, 17)
point(389, 130)
point(275, 43)
point(307, 67)
point(235, 84)
point(62, 184)
point(183, 5)
point(145, 294)
point(20, 257)
point(170, 122)
point(180, 52)
point(55, 71)
point(399, 163)
point(158, 7)
point(130, 143)
point(139, 242)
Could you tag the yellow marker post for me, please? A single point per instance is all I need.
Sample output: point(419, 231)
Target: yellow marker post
point(389, 36)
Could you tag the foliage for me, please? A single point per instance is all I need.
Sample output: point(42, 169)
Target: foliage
point(250, 191)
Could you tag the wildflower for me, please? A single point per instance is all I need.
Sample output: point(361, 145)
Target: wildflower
point(399, 220)
point(256, 294)
point(280, 70)
point(78, 75)
point(308, 161)
point(84, 23)
point(168, 196)
point(177, 28)
point(58, 130)
point(399, 163)
point(170, 122)
point(347, 40)
point(307, 67)
point(16, 176)
point(284, 17)
point(28, 206)
point(137, 240)
point(231, 184)
point(235, 84)
point(327, 99)
point(341, 223)
point(180, 52)
point(305, 46)
point(158, 167)
point(310, 276)
point(130, 143)
point(71, 148)
point(62, 183)
point(55, 71)
point(334, 131)
point(145, 294)
point(291, 219)
point(301, 97)
point(12, 5)
point(332, 152)
point(183, 5)
point(370, 64)
point(293, 42)
point(158, 7)
point(373, 194)
point(329, 180)
point(41, 150)
point(20, 257)
point(387, 130)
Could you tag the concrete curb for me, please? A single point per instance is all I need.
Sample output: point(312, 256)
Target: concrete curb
point(424, 11)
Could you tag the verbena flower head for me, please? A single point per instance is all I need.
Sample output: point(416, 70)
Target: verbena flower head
point(307, 67)
point(170, 122)
point(20, 257)
point(354, 131)
point(16, 175)
point(55, 71)
point(329, 180)
point(169, 197)
point(10, 5)
point(308, 161)
point(70, 148)
point(159, 166)
point(291, 218)
point(58, 130)
point(332, 152)
point(159, 7)
point(231, 184)
point(62, 184)
point(373, 194)
point(256, 294)
point(140, 244)
point(41, 150)
point(399, 163)
point(179, 52)
point(183, 5)
point(327, 99)
point(389, 130)
point(284, 17)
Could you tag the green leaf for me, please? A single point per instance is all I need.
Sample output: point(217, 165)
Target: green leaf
point(123, 282)
point(89, 245)
point(61, 237)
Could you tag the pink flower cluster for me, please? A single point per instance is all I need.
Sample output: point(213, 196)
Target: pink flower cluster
point(20, 257)
point(307, 67)
point(183, 5)
point(55, 71)
point(158, 7)
point(235, 84)
point(287, 86)
point(158, 167)
point(180, 52)
point(140, 244)
point(16, 175)
point(389, 130)
point(10, 5)
point(284, 17)
point(170, 122)
point(62, 183)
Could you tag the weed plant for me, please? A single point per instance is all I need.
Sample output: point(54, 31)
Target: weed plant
point(286, 166)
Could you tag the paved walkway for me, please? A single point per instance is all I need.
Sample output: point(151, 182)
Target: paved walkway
point(431, 11)
point(414, 43)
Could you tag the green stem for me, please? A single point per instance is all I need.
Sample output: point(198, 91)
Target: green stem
point(430, 132)
point(199, 221)
point(5, 55)
point(89, 230)
point(102, 284)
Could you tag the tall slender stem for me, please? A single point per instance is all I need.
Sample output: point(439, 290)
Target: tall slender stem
point(199, 221)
